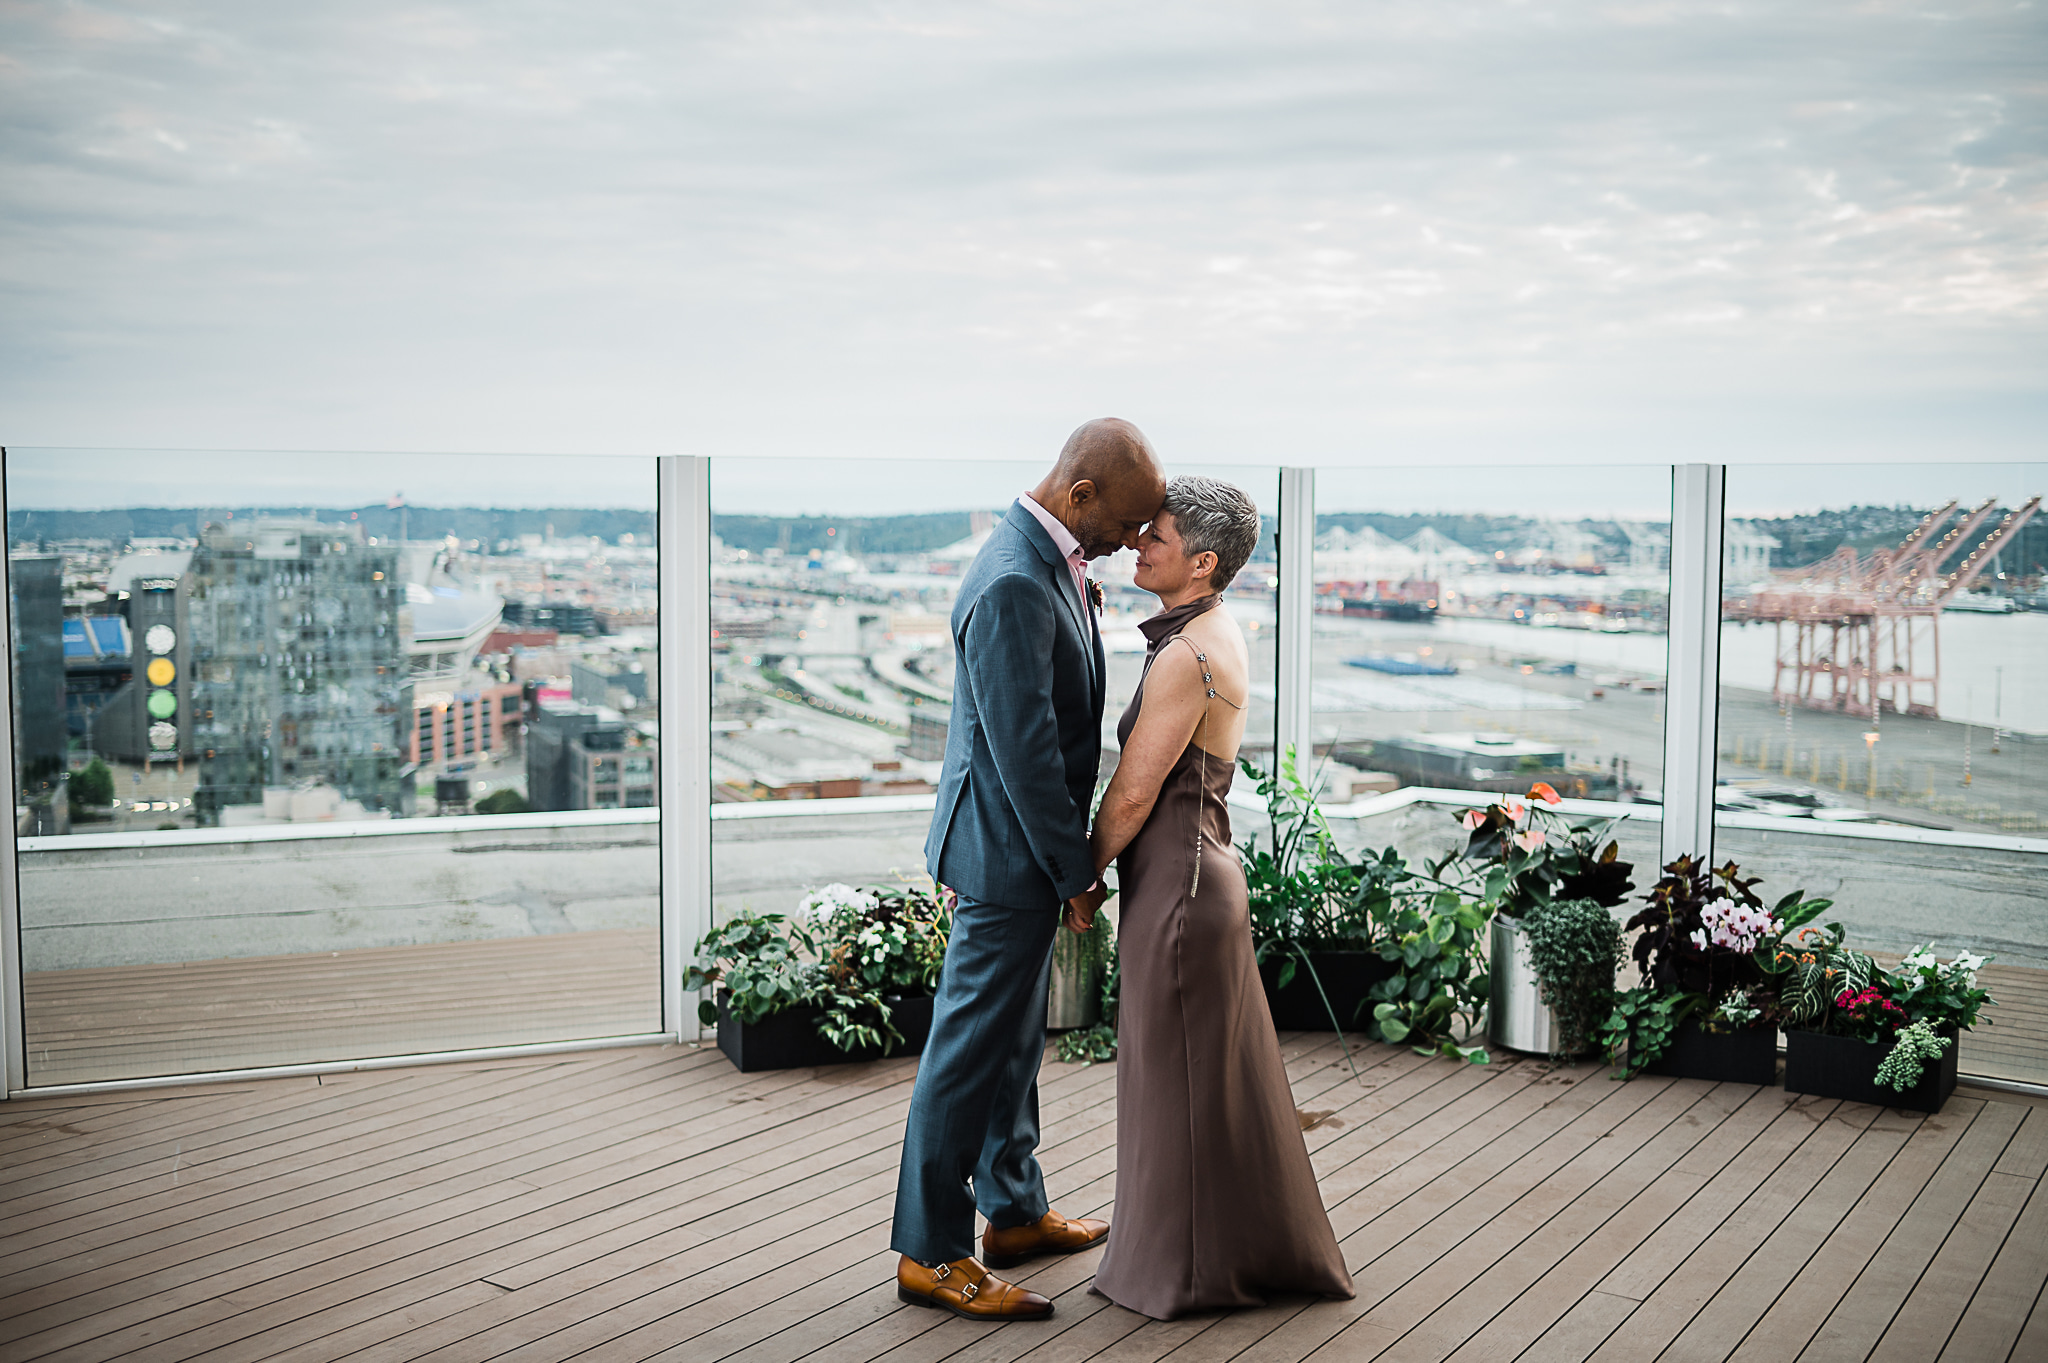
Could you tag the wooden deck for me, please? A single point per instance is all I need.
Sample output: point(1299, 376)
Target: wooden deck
point(134, 1021)
point(653, 1203)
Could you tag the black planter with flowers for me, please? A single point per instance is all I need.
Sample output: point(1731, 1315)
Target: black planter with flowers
point(790, 1039)
point(1865, 1035)
point(1846, 1067)
point(851, 977)
point(1747, 1055)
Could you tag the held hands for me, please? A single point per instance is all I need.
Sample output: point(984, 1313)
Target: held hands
point(1081, 909)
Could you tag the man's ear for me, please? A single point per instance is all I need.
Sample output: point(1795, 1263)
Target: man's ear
point(1082, 492)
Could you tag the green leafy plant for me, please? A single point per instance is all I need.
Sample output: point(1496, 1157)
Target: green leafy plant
point(1814, 969)
point(1307, 897)
point(757, 963)
point(1640, 1026)
point(1916, 1045)
point(1436, 997)
point(92, 784)
point(503, 801)
point(848, 956)
point(1574, 946)
point(1942, 994)
point(1303, 891)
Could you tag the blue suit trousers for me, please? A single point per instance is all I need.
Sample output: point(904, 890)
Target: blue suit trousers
point(972, 1139)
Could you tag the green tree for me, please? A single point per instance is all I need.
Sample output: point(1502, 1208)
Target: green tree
point(505, 801)
point(94, 785)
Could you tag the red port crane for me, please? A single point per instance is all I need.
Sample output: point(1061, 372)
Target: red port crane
point(1861, 634)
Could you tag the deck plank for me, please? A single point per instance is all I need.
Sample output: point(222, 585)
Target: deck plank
point(653, 1203)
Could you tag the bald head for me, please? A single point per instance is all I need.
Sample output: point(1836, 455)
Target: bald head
point(1105, 487)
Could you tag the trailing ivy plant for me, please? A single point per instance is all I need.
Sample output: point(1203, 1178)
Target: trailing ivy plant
point(1574, 946)
point(1915, 1047)
point(1639, 1028)
point(1089, 1045)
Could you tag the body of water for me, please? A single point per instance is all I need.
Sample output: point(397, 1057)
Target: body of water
point(1994, 667)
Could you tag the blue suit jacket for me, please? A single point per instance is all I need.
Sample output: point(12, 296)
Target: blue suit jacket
point(1025, 738)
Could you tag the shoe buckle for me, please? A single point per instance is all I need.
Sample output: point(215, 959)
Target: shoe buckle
point(970, 1292)
point(942, 1272)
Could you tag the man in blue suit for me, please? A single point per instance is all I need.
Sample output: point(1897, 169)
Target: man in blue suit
point(1010, 838)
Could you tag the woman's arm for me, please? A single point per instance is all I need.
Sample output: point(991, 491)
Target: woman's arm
point(1173, 706)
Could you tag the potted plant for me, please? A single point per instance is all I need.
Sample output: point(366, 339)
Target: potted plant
point(1573, 947)
point(1311, 917)
point(1703, 1010)
point(1868, 1036)
point(1523, 856)
point(1079, 962)
point(1371, 942)
point(851, 978)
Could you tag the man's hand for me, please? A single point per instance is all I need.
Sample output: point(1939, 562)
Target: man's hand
point(1081, 909)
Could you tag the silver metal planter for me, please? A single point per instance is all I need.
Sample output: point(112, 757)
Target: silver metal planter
point(1075, 995)
point(1516, 1016)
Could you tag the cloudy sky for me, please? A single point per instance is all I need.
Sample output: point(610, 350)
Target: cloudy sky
point(1285, 232)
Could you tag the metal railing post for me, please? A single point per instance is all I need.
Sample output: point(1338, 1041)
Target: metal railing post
point(684, 635)
point(13, 1022)
point(1692, 683)
point(1294, 602)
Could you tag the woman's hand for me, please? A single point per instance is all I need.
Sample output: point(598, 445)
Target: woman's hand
point(1082, 908)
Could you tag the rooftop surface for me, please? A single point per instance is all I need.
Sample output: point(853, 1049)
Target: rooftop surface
point(651, 1202)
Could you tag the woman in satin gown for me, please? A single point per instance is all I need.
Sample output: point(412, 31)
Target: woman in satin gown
point(1216, 1202)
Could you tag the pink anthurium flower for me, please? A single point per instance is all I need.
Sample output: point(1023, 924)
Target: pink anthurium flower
point(1515, 808)
point(1545, 792)
point(1530, 839)
point(1473, 819)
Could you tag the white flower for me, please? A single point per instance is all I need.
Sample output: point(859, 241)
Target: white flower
point(1968, 963)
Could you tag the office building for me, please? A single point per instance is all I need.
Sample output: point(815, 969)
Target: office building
point(295, 637)
point(587, 757)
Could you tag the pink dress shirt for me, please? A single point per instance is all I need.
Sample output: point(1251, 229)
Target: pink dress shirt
point(1062, 540)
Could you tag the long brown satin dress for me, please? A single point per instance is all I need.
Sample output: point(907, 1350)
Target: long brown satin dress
point(1216, 1202)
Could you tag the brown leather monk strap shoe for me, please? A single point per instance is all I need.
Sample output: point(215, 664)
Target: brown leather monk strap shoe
point(1049, 1234)
point(967, 1289)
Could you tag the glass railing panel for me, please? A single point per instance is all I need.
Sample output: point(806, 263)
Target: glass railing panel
point(833, 583)
point(1485, 628)
point(1883, 648)
point(306, 745)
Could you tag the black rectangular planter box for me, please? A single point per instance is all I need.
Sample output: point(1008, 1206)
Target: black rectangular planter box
point(1749, 1056)
point(1843, 1067)
point(1347, 977)
point(789, 1039)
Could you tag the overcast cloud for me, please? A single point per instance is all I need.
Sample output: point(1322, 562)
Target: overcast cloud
point(1300, 232)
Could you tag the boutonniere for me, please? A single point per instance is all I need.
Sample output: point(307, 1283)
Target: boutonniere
point(1095, 595)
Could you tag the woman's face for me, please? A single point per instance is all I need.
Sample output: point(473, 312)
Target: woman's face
point(1163, 566)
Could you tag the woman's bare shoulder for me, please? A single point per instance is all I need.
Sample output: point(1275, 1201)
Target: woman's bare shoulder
point(1216, 630)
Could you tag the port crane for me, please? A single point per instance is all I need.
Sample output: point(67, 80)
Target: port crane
point(1861, 633)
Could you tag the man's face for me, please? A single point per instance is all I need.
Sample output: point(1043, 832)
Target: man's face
point(1113, 515)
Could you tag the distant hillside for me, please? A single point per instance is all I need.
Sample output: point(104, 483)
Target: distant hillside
point(1812, 537)
point(913, 534)
point(421, 522)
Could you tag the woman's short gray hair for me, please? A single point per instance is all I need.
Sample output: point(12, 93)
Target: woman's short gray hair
point(1213, 517)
